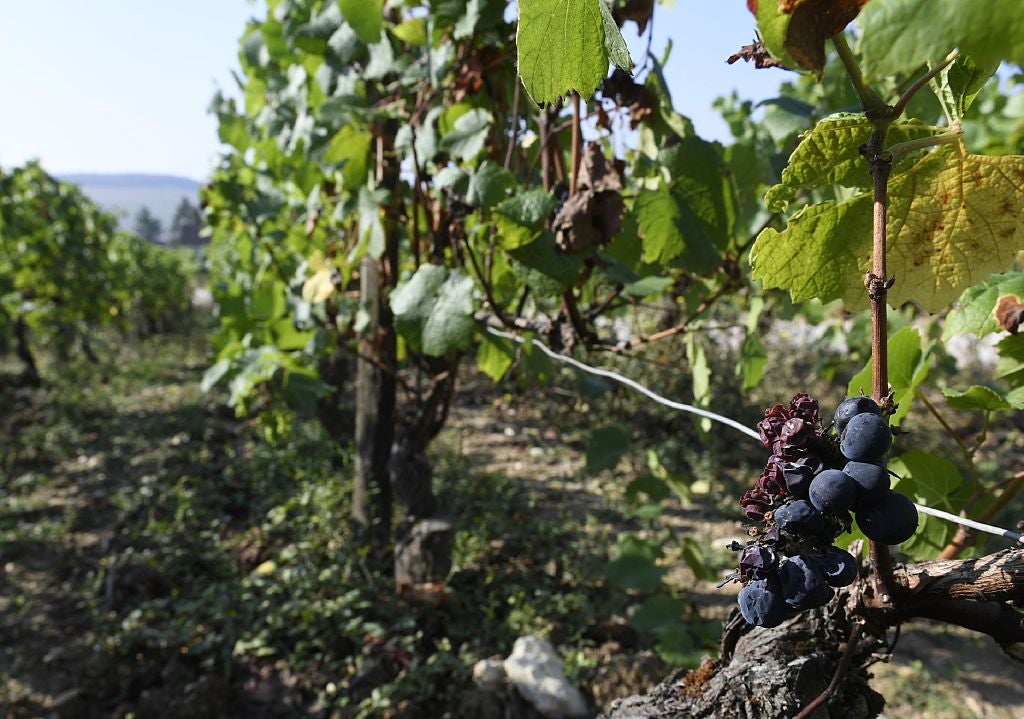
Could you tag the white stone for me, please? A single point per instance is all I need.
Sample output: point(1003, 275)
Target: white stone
point(539, 676)
point(489, 673)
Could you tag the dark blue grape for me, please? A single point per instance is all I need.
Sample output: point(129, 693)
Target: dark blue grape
point(761, 603)
point(837, 566)
point(803, 585)
point(798, 478)
point(872, 480)
point(758, 562)
point(800, 517)
point(832, 492)
point(850, 408)
point(890, 520)
point(866, 439)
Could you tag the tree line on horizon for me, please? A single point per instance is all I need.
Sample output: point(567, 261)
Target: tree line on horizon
point(184, 230)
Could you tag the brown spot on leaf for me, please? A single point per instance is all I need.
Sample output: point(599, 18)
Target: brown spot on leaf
point(1009, 313)
point(752, 6)
point(813, 22)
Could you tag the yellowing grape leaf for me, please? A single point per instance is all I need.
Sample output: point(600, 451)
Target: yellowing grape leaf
point(954, 218)
point(321, 285)
point(830, 153)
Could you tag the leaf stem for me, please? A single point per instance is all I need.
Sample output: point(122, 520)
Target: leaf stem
point(907, 96)
point(947, 138)
point(872, 103)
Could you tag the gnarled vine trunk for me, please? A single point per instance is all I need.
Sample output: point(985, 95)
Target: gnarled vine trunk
point(775, 673)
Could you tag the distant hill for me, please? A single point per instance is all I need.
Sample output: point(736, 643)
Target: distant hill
point(126, 194)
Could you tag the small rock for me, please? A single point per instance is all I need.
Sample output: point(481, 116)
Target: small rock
point(489, 673)
point(539, 676)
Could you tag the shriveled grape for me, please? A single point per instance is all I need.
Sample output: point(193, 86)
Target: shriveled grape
point(758, 562)
point(837, 566)
point(803, 585)
point(761, 603)
point(799, 517)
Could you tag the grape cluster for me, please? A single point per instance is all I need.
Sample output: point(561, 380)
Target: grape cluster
point(814, 479)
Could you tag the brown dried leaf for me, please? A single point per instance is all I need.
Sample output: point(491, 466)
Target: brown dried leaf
point(1009, 313)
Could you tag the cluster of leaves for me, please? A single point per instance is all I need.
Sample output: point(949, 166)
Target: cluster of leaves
point(479, 222)
point(66, 270)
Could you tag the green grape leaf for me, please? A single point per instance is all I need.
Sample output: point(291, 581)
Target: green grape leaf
point(930, 481)
point(647, 286)
point(605, 447)
point(656, 612)
point(696, 560)
point(899, 36)
point(269, 302)
point(1010, 365)
point(434, 310)
point(959, 83)
point(634, 565)
point(1016, 398)
point(494, 356)
point(521, 218)
point(412, 31)
point(565, 45)
point(366, 17)
point(830, 153)
point(303, 389)
point(976, 311)
point(701, 183)
point(214, 374)
point(976, 397)
point(953, 217)
point(670, 230)
point(540, 264)
point(468, 136)
point(753, 362)
point(350, 146)
point(450, 325)
point(489, 185)
point(700, 371)
point(794, 31)
point(411, 300)
point(908, 366)
point(614, 44)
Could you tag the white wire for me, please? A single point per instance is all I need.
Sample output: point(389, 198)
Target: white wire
point(633, 384)
point(629, 383)
point(971, 523)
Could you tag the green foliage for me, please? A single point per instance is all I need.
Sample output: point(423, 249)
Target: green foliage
point(553, 62)
point(901, 35)
point(66, 271)
point(606, 446)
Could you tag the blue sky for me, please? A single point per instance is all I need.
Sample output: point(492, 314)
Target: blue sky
point(124, 85)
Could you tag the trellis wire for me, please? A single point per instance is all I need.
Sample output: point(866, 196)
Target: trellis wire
point(682, 407)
